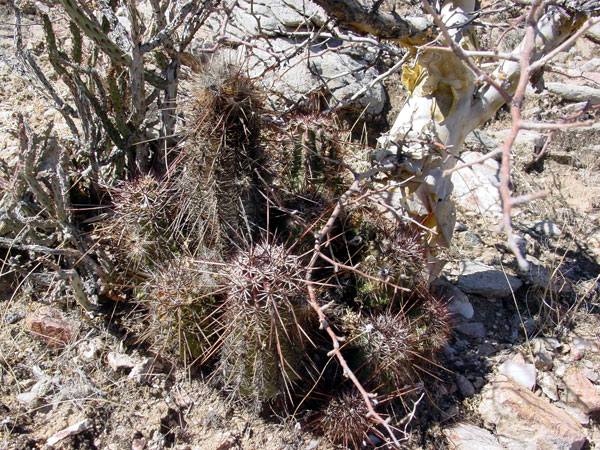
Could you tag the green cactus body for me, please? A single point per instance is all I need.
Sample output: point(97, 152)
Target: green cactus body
point(176, 310)
point(218, 180)
point(265, 342)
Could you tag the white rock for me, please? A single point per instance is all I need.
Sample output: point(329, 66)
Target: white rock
point(524, 374)
point(118, 361)
point(142, 371)
point(476, 187)
point(29, 399)
point(464, 308)
point(592, 65)
point(89, 350)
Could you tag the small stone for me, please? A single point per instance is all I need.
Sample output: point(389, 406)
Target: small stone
point(143, 370)
point(542, 358)
point(138, 444)
point(465, 387)
point(13, 318)
point(576, 353)
point(459, 226)
point(118, 361)
point(590, 374)
point(89, 350)
point(560, 370)
point(312, 445)
point(77, 428)
point(524, 374)
point(593, 65)
point(471, 240)
point(552, 344)
point(49, 324)
point(580, 393)
point(547, 228)
point(548, 385)
point(486, 349)
point(575, 93)
point(585, 345)
point(458, 302)
point(460, 307)
point(473, 329)
point(484, 280)
point(29, 399)
point(34, 397)
point(479, 382)
point(525, 421)
point(464, 436)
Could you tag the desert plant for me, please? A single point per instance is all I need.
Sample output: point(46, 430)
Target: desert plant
point(216, 178)
point(348, 246)
point(176, 311)
point(345, 420)
point(135, 230)
point(266, 332)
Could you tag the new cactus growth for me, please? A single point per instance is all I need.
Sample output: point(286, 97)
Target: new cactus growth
point(136, 228)
point(345, 420)
point(176, 312)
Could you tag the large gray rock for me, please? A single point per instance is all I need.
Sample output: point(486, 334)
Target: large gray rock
point(481, 279)
point(277, 52)
point(464, 436)
point(575, 93)
point(524, 421)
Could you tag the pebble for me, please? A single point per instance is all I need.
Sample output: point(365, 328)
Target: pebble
point(523, 373)
point(542, 357)
point(579, 392)
point(473, 329)
point(465, 387)
point(585, 344)
point(142, 371)
point(459, 303)
point(486, 349)
point(118, 361)
point(590, 374)
point(548, 385)
point(13, 318)
point(465, 436)
point(471, 240)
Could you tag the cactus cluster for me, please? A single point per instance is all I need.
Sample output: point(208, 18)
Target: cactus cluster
point(217, 253)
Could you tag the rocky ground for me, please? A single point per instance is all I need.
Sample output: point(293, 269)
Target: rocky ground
point(521, 370)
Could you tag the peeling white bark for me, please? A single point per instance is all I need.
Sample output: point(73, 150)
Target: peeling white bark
point(444, 107)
